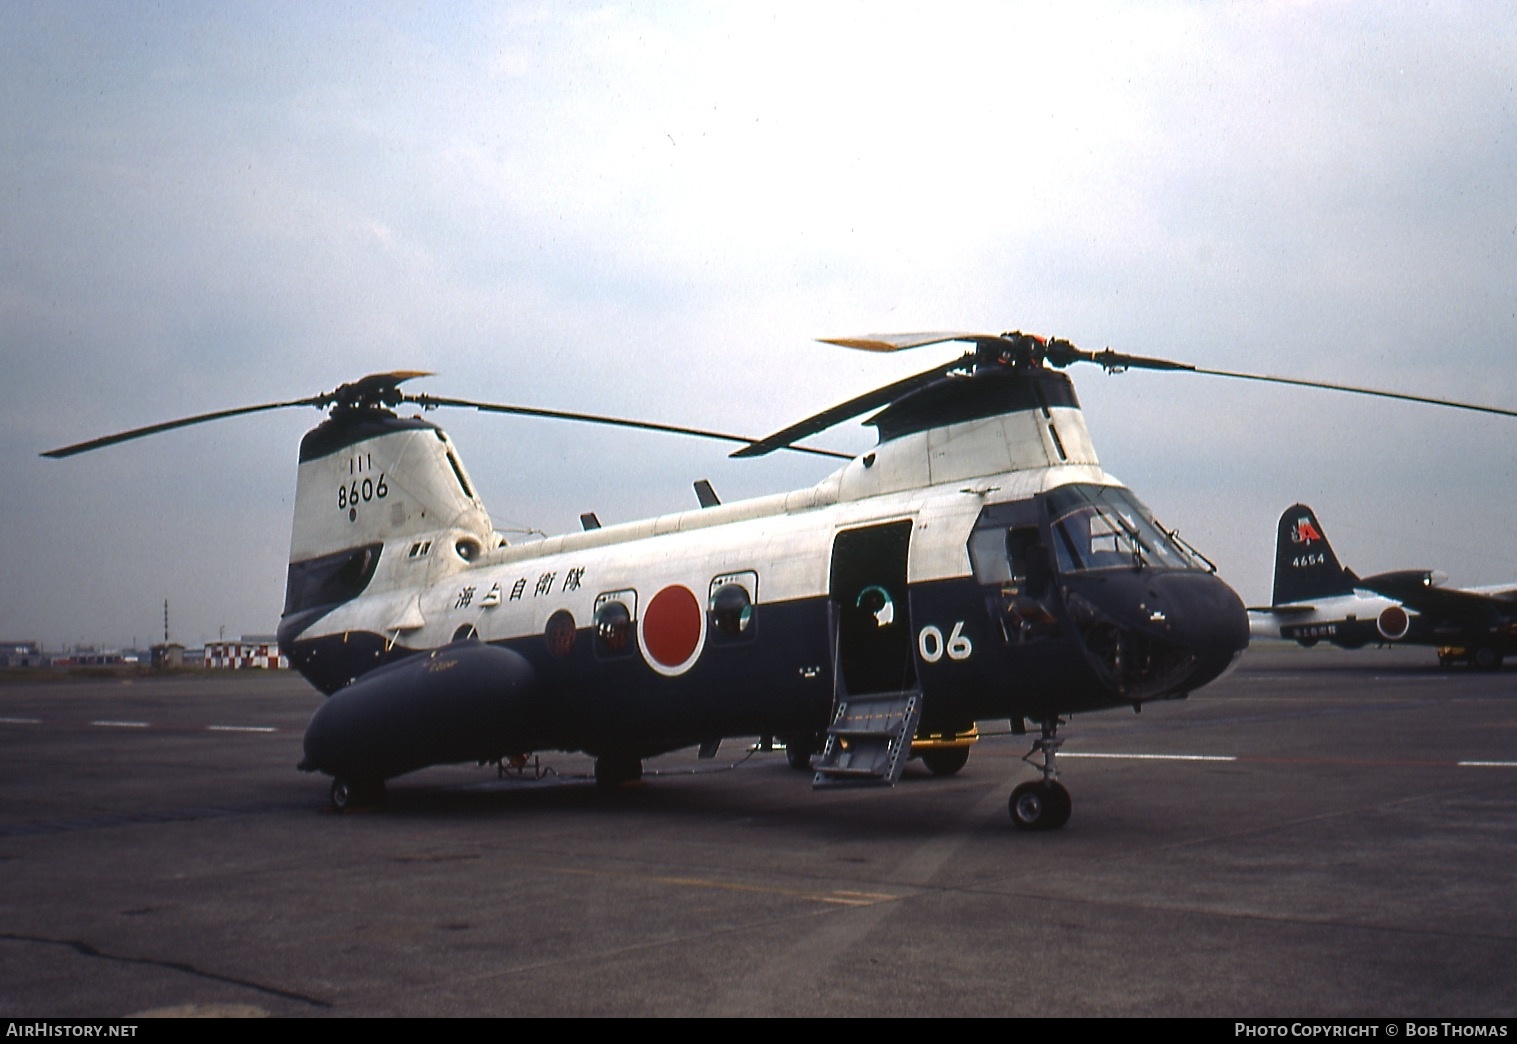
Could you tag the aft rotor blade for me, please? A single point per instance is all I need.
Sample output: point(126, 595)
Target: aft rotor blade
point(431, 401)
point(1355, 390)
point(847, 410)
point(183, 422)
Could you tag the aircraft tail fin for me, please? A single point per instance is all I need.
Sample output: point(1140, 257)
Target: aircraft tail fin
point(1305, 565)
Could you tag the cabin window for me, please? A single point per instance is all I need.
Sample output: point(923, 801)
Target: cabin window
point(730, 605)
point(615, 623)
point(560, 634)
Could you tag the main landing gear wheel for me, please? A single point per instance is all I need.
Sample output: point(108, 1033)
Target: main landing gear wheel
point(1040, 805)
point(1486, 658)
point(351, 794)
point(614, 771)
point(799, 751)
point(946, 761)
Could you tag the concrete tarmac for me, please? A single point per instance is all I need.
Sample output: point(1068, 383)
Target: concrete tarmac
point(1322, 833)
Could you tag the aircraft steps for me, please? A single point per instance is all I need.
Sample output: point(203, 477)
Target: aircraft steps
point(869, 740)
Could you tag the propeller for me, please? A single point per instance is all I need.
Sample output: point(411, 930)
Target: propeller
point(382, 390)
point(1030, 351)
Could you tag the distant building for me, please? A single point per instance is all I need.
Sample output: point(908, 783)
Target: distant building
point(22, 654)
point(88, 656)
point(249, 651)
point(167, 656)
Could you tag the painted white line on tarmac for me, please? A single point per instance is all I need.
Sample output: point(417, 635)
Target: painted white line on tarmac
point(1151, 757)
point(1234, 757)
point(122, 724)
point(240, 728)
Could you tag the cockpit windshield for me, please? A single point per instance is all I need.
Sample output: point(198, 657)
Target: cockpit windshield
point(1106, 527)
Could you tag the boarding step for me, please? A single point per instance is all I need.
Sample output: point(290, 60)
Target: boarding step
point(869, 740)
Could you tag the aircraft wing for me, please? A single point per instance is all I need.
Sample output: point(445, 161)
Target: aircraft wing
point(1501, 592)
point(1419, 590)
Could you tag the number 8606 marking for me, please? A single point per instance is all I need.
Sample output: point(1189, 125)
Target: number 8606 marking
point(367, 490)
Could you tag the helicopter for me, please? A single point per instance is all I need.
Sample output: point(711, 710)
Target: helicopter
point(977, 564)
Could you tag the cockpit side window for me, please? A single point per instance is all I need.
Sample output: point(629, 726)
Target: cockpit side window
point(1003, 541)
point(1028, 558)
point(1012, 565)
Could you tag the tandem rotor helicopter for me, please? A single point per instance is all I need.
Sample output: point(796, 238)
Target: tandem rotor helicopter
point(977, 564)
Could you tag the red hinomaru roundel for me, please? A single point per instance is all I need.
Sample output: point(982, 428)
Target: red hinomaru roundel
point(672, 630)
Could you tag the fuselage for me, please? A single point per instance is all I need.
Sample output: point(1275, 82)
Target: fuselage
point(981, 558)
point(1351, 620)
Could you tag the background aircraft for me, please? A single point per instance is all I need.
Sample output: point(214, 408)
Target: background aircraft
point(1318, 599)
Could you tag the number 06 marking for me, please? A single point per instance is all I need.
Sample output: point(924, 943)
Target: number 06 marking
point(932, 647)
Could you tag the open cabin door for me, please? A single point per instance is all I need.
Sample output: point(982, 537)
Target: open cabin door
point(876, 698)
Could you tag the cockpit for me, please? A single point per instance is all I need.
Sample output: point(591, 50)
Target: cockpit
point(1089, 527)
point(1088, 564)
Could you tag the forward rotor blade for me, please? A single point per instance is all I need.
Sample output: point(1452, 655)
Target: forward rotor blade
point(853, 407)
point(1355, 390)
point(1061, 354)
point(183, 422)
point(902, 342)
point(431, 401)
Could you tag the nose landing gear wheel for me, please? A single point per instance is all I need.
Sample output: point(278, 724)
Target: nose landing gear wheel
point(1043, 805)
point(351, 794)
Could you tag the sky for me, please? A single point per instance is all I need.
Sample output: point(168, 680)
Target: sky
point(656, 209)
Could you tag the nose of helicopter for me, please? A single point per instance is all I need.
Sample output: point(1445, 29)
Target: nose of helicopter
point(1154, 633)
point(1210, 620)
